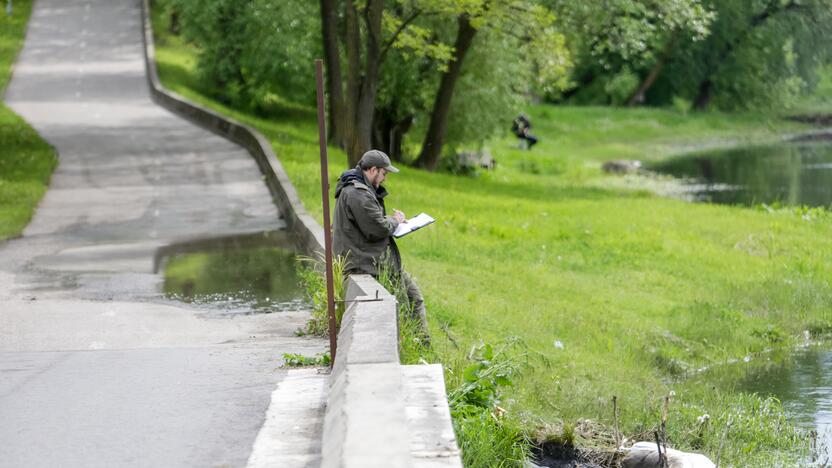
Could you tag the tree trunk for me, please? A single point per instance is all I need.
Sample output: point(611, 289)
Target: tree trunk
point(703, 97)
point(435, 136)
point(363, 87)
point(353, 46)
point(388, 133)
point(329, 27)
point(638, 95)
point(173, 24)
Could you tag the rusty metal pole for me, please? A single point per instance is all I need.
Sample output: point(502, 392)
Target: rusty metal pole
point(330, 291)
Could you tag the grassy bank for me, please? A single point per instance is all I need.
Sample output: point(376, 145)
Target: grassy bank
point(26, 161)
point(601, 291)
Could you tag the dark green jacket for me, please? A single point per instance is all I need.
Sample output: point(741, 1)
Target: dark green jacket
point(361, 228)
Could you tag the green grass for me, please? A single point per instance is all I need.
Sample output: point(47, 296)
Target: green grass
point(610, 291)
point(26, 161)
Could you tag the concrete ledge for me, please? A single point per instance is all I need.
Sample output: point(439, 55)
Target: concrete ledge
point(432, 438)
point(369, 328)
point(308, 234)
point(368, 334)
point(289, 437)
point(365, 423)
point(366, 285)
point(381, 413)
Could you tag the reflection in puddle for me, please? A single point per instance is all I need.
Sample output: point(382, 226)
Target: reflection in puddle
point(236, 280)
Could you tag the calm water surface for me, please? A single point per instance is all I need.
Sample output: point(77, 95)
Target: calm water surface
point(803, 384)
point(236, 280)
point(789, 173)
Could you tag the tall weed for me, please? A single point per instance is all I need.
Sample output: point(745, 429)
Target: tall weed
point(486, 434)
point(414, 345)
point(311, 272)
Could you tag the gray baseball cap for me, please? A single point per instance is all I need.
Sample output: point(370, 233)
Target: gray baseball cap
point(376, 158)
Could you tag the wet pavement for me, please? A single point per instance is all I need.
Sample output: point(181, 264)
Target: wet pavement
point(97, 367)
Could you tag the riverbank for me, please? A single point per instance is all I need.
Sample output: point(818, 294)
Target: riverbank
point(26, 161)
point(602, 291)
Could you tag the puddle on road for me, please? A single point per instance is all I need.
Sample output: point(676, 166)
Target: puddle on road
point(236, 279)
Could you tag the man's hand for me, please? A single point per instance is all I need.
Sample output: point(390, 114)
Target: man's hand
point(399, 216)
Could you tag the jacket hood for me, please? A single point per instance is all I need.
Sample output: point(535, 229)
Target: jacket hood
point(356, 175)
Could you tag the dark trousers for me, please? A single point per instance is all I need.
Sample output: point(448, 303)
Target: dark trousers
point(417, 302)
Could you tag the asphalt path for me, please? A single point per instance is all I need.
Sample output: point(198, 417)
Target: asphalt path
point(96, 367)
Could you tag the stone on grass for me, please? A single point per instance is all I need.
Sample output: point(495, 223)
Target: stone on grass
point(646, 455)
point(621, 167)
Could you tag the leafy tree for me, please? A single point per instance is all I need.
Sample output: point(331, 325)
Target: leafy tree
point(621, 46)
point(486, 94)
point(251, 49)
point(218, 27)
point(760, 54)
point(405, 92)
point(375, 33)
point(389, 64)
point(539, 44)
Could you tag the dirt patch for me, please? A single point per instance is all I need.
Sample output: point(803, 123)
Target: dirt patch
point(558, 455)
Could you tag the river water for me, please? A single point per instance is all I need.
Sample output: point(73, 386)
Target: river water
point(788, 174)
point(803, 384)
point(798, 173)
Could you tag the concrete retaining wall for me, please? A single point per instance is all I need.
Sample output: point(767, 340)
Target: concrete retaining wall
point(379, 413)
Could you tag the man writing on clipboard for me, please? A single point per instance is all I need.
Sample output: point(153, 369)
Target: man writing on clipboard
point(362, 231)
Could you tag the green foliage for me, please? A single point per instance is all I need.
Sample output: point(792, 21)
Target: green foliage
point(748, 422)
point(250, 51)
point(414, 346)
point(714, 52)
point(680, 105)
point(615, 42)
point(620, 86)
point(629, 31)
point(312, 275)
point(818, 99)
point(299, 360)
point(483, 379)
point(487, 441)
point(486, 436)
point(489, 95)
point(26, 160)
point(770, 334)
point(780, 41)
